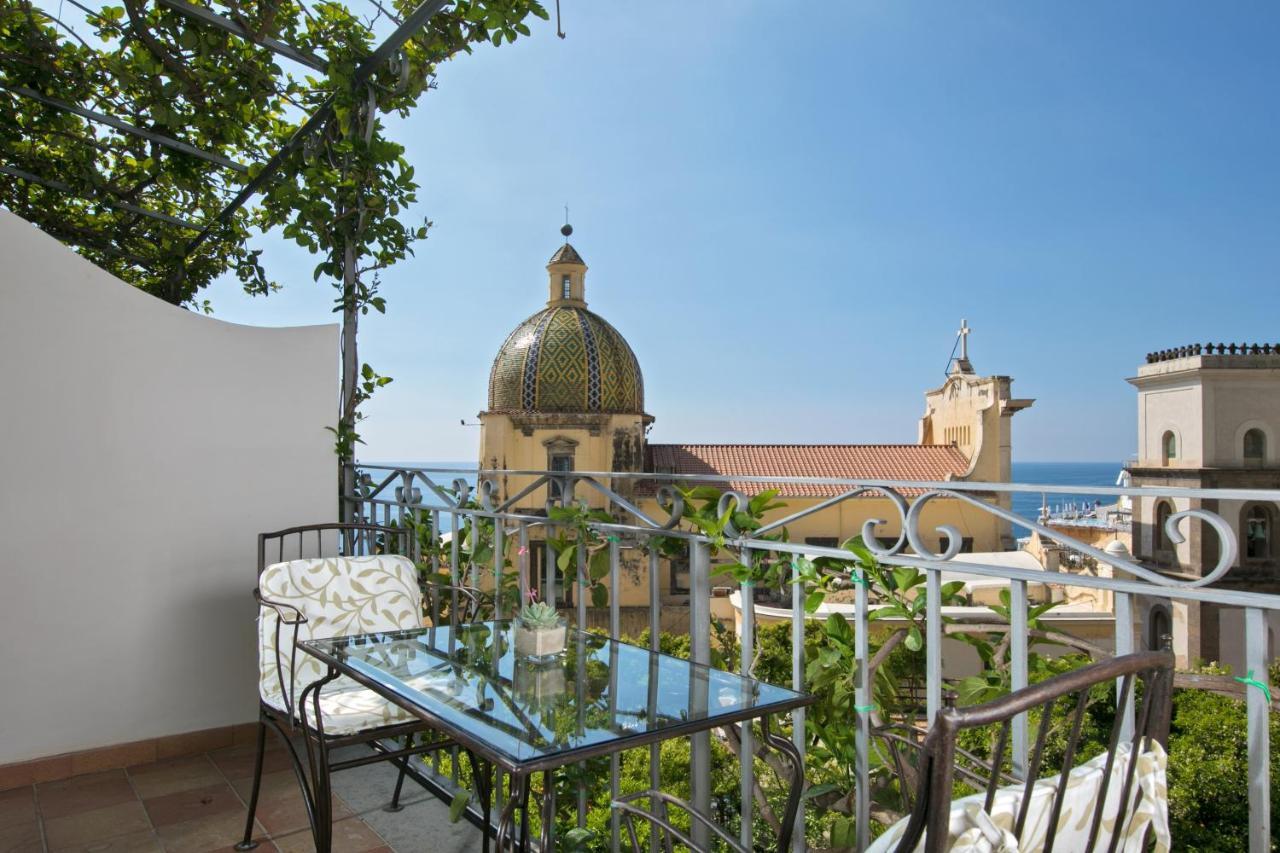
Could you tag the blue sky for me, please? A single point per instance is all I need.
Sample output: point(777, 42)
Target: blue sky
point(788, 208)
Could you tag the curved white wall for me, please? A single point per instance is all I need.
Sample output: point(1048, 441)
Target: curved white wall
point(142, 448)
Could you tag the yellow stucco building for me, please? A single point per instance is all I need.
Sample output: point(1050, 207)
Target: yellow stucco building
point(566, 392)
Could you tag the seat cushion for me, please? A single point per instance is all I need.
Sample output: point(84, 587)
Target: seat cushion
point(339, 596)
point(973, 830)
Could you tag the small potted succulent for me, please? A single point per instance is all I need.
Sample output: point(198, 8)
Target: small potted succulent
point(539, 631)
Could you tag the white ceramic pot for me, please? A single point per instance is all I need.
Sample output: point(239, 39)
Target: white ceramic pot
point(540, 642)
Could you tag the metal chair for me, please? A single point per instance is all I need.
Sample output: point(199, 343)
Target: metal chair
point(346, 713)
point(934, 815)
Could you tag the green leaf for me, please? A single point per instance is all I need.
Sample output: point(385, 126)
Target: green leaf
point(814, 599)
point(599, 595)
point(598, 566)
point(819, 790)
point(458, 805)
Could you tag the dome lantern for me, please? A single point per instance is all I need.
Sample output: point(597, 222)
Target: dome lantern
point(567, 272)
point(565, 358)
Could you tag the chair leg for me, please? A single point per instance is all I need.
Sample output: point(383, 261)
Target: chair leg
point(404, 769)
point(248, 843)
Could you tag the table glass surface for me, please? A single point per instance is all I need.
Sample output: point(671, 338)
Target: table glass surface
point(598, 695)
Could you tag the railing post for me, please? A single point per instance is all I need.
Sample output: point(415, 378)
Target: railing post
point(499, 559)
point(1018, 670)
point(700, 652)
point(1258, 734)
point(933, 644)
point(797, 682)
point(746, 752)
point(1124, 646)
point(615, 630)
point(581, 553)
point(655, 625)
point(862, 698)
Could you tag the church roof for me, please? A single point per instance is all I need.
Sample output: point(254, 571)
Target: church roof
point(931, 462)
point(566, 254)
point(566, 359)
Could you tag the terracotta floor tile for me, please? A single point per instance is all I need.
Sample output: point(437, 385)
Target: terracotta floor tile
point(169, 777)
point(83, 793)
point(214, 832)
point(237, 762)
point(284, 814)
point(75, 830)
point(134, 842)
point(192, 804)
point(20, 836)
point(351, 835)
point(17, 807)
point(282, 783)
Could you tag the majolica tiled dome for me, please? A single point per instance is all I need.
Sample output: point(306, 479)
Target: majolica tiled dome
point(566, 359)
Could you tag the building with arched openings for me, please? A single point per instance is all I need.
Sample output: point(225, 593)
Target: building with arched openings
point(1209, 417)
point(566, 392)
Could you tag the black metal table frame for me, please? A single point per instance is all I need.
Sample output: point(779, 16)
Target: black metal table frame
point(484, 759)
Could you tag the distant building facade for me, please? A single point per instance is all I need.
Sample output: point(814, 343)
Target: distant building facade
point(566, 392)
point(1208, 417)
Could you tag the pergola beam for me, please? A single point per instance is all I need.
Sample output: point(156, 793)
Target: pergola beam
point(364, 71)
point(125, 127)
point(213, 19)
point(118, 205)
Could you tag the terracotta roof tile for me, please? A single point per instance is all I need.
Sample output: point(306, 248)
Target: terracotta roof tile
point(931, 462)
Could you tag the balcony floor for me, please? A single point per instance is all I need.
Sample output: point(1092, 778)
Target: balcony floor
point(199, 804)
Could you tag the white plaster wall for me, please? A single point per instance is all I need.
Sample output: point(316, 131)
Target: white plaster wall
point(143, 447)
point(1177, 407)
point(1237, 401)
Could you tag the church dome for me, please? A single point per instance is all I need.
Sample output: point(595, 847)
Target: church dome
point(565, 358)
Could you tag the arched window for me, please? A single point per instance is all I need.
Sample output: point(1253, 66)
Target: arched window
point(1159, 626)
point(1160, 536)
point(1256, 526)
point(1255, 447)
point(1168, 447)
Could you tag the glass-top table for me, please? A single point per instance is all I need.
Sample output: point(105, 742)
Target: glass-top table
point(599, 697)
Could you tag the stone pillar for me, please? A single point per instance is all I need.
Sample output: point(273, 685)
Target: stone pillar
point(1187, 647)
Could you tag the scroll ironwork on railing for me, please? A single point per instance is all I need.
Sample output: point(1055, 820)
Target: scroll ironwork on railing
point(631, 525)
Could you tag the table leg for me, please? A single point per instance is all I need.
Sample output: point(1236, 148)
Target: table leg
point(480, 773)
point(506, 823)
point(548, 813)
point(796, 787)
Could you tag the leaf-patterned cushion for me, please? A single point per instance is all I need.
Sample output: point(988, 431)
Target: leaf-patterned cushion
point(339, 596)
point(973, 830)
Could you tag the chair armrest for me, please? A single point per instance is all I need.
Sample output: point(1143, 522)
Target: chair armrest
point(293, 617)
point(280, 607)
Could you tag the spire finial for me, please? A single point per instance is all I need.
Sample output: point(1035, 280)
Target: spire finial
point(566, 229)
point(964, 339)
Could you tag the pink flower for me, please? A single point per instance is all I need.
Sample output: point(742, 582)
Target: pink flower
point(524, 549)
point(533, 594)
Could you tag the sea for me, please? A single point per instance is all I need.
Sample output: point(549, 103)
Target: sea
point(1057, 477)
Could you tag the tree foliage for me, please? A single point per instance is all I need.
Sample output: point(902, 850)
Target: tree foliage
point(344, 196)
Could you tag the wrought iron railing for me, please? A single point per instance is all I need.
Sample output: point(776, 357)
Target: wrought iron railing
point(452, 497)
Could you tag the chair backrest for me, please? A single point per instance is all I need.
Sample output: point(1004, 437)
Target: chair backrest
point(941, 759)
point(318, 596)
